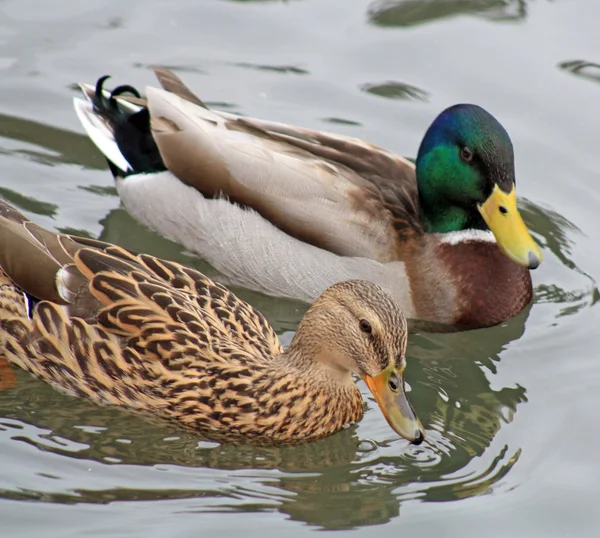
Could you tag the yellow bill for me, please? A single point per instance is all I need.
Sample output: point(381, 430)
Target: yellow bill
point(388, 389)
point(500, 213)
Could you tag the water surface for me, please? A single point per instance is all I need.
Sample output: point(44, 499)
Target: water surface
point(511, 411)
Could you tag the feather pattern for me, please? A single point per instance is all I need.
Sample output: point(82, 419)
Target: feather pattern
point(151, 335)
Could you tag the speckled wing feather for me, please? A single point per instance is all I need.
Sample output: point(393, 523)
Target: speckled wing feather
point(181, 293)
point(151, 319)
point(77, 357)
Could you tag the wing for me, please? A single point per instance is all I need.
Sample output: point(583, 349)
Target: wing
point(116, 326)
point(205, 311)
point(336, 192)
point(80, 358)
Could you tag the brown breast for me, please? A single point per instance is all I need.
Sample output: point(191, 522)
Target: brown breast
point(467, 285)
point(490, 287)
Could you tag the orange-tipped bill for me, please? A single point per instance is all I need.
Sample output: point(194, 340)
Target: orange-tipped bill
point(500, 213)
point(388, 389)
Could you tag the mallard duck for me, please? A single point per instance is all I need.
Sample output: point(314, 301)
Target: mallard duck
point(289, 211)
point(132, 330)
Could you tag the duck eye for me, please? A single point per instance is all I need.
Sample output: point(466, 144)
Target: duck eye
point(466, 154)
point(394, 383)
point(365, 326)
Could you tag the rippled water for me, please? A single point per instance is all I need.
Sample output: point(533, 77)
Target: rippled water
point(511, 412)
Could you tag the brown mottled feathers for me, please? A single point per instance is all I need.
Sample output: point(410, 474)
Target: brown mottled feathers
point(153, 336)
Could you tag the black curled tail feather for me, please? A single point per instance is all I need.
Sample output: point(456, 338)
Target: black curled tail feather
point(131, 130)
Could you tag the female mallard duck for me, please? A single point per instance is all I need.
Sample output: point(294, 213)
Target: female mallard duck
point(99, 321)
point(290, 211)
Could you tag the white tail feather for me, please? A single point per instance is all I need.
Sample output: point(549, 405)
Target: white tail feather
point(101, 134)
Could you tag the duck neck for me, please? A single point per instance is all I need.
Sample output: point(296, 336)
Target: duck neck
point(318, 367)
point(320, 398)
point(442, 216)
point(445, 198)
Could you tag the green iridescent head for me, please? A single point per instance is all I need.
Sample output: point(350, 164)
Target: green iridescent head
point(466, 179)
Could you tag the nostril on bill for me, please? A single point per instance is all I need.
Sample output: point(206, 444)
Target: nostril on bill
point(533, 260)
point(419, 438)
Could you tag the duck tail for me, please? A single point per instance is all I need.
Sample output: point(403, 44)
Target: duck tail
point(118, 122)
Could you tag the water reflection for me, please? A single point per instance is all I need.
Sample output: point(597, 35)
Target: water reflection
point(261, 1)
point(582, 68)
point(405, 13)
point(61, 146)
point(28, 203)
point(281, 69)
point(457, 368)
point(554, 232)
point(396, 90)
point(8, 379)
point(332, 502)
point(342, 121)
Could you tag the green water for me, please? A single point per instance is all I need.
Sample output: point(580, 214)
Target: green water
point(511, 412)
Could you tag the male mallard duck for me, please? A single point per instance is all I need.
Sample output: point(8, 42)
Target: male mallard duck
point(132, 330)
point(290, 211)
